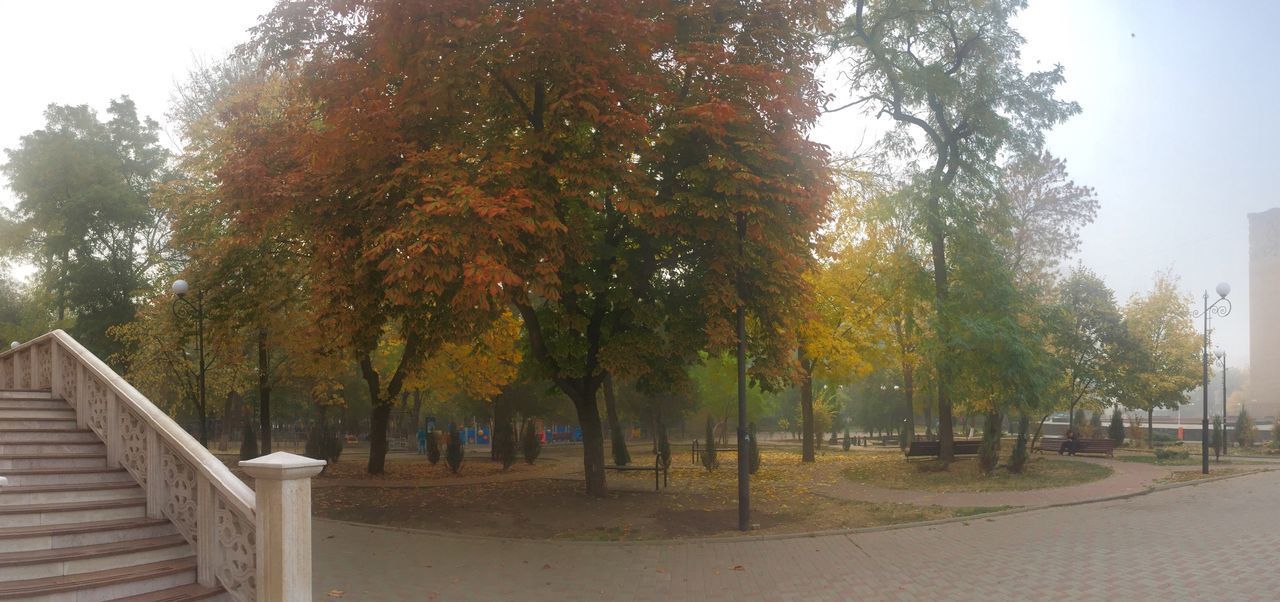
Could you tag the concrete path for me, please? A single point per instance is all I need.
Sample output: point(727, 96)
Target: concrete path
point(1215, 539)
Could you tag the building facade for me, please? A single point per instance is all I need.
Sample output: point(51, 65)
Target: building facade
point(1264, 311)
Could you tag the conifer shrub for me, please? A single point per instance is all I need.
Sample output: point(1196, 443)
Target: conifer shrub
point(1246, 433)
point(1215, 436)
point(1079, 423)
point(433, 447)
point(323, 444)
point(504, 444)
point(847, 442)
point(709, 452)
point(248, 443)
point(453, 450)
point(1116, 429)
point(621, 455)
point(530, 444)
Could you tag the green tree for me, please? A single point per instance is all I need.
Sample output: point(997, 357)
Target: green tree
point(1216, 439)
point(84, 215)
point(950, 75)
point(1086, 336)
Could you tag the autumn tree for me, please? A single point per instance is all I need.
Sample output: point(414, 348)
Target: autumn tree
point(1166, 365)
point(583, 162)
point(948, 73)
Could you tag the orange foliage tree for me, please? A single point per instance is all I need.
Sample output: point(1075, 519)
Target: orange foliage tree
point(582, 162)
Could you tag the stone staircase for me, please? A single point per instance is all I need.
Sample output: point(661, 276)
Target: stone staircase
point(70, 527)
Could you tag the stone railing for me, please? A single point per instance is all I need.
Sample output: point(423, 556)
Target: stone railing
point(239, 538)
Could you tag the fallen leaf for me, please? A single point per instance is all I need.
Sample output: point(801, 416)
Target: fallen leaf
point(336, 593)
point(738, 567)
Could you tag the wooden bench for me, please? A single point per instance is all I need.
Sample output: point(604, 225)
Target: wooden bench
point(961, 447)
point(656, 468)
point(1083, 446)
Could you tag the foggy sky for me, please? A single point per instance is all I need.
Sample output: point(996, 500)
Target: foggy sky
point(1175, 133)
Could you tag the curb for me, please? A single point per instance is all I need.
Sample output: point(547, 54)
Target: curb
point(784, 536)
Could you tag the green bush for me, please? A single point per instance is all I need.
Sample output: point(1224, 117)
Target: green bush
point(530, 444)
point(433, 447)
point(1165, 453)
point(709, 451)
point(453, 450)
point(323, 444)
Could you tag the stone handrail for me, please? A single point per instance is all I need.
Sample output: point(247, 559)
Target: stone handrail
point(185, 483)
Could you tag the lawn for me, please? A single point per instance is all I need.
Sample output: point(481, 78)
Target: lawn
point(893, 472)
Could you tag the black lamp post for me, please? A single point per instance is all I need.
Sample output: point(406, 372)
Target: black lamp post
point(744, 455)
point(1221, 308)
point(180, 290)
point(1222, 357)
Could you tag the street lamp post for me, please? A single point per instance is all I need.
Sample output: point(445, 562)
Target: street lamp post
point(744, 455)
point(1221, 308)
point(1222, 357)
point(180, 290)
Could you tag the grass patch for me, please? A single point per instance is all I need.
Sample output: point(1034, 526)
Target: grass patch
point(893, 472)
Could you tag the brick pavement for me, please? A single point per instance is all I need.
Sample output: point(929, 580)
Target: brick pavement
point(1213, 539)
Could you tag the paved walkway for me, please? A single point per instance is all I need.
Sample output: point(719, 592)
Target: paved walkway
point(1215, 539)
point(1126, 478)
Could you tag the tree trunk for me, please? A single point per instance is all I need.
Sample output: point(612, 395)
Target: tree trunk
point(1039, 428)
point(228, 410)
point(1020, 451)
point(806, 409)
point(618, 441)
point(989, 453)
point(928, 420)
point(378, 420)
point(938, 247)
point(264, 393)
point(592, 441)
point(908, 393)
point(1150, 437)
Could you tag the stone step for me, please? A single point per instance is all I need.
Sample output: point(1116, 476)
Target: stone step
point(22, 448)
point(34, 404)
point(31, 495)
point(40, 424)
point(20, 461)
point(48, 435)
point(87, 532)
point(26, 394)
point(95, 557)
point(9, 414)
point(184, 593)
point(107, 584)
point(63, 476)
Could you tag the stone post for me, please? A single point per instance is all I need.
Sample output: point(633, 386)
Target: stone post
point(282, 529)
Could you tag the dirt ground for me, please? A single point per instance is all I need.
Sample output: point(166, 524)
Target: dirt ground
point(549, 501)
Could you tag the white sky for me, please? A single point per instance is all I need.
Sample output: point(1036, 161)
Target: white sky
point(1175, 134)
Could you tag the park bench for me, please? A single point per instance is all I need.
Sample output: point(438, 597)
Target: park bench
point(1083, 446)
point(961, 447)
point(696, 450)
point(657, 469)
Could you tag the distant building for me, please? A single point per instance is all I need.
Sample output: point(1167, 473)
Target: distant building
point(1264, 311)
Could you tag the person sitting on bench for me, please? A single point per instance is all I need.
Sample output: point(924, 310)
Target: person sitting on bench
point(1070, 445)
